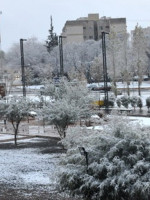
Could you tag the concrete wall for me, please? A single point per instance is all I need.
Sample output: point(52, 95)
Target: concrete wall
point(91, 28)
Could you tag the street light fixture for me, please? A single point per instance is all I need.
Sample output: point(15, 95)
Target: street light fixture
point(84, 153)
point(22, 66)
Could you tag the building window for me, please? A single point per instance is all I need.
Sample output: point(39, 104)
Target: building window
point(85, 37)
point(84, 27)
point(101, 27)
point(90, 37)
point(106, 26)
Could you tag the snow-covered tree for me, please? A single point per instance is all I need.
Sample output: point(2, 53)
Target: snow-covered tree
point(15, 111)
point(118, 162)
point(115, 55)
point(36, 57)
point(96, 69)
point(126, 77)
point(139, 54)
point(52, 40)
point(68, 103)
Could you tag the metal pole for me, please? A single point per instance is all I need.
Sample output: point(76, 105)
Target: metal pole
point(23, 67)
point(61, 56)
point(105, 71)
point(0, 35)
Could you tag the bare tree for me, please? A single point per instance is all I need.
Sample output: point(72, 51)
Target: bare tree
point(139, 54)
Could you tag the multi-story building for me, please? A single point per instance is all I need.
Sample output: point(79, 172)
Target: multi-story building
point(91, 27)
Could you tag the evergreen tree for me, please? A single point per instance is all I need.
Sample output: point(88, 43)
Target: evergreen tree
point(52, 40)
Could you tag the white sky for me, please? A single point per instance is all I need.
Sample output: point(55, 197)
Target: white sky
point(27, 18)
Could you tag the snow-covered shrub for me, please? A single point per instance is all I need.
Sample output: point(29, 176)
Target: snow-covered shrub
point(119, 163)
point(95, 119)
point(139, 103)
point(133, 101)
point(114, 89)
point(111, 100)
point(148, 102)
point(125, 101)
point(118, 101)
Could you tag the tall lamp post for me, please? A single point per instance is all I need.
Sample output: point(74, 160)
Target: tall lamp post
point(23, 67)
point(61, 55)
point(0, 34)
point(105, 70)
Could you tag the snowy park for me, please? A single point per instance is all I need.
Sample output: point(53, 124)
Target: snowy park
point(75, 116)
point(41, 138)
point(32, 168)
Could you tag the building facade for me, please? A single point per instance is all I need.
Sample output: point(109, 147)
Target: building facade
point(91, 27)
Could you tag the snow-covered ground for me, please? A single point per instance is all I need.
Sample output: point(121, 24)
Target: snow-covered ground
point(133, 84)
point(144, 121)
point(8, 136)
point(27, 167)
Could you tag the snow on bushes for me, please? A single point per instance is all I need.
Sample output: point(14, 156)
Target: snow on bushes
point(148, 102)
point(133, 101)
point(119, 162)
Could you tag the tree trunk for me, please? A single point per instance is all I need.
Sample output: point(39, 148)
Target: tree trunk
point(128, 89)
point(15, 131)
point(16, 137)
point(139, 88)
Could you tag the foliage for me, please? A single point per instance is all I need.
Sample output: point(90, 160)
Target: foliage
point(118, 101)
point(125, 101)
point(15, 111)
point(68, 103)
point(134, 101)
point(36, 58)
point(111, 100)
point(119, 162)
point(148, 102)
point(3, 107)
point(139, 103)
point(52, 40)
point(139, 54)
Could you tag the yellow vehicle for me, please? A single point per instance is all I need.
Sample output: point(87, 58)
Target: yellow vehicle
point(97, 99)
point(98, 103)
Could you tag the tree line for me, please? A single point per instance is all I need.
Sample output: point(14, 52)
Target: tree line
point(126, 58)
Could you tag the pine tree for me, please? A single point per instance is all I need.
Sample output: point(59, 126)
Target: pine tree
point(52, 40)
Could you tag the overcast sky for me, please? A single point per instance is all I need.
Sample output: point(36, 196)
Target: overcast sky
point(27, 18)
